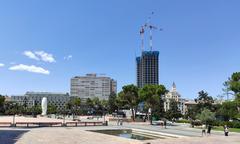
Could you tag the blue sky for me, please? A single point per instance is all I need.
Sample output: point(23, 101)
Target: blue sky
point(199, 46)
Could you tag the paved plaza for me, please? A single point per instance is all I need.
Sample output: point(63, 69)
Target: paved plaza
point(80, 135)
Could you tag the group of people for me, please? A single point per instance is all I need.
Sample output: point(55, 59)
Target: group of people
point(209, 128)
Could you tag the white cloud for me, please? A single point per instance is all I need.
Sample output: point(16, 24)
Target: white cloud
point(45, 56)
point(31, 68)
point(40, 55)
point(30, 55)
point(68, 57)
point(2, 65)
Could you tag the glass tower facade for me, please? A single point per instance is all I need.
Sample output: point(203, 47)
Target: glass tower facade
point(147, 68)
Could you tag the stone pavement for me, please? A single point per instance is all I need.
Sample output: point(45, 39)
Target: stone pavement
point(70, 136)
point(79, 135)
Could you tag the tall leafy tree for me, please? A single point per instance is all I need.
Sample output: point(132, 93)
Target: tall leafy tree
point(228, 110)
point(152, 96)
point(74, 105)
point(112, 105)
point(234, 84)
point(204, 101)
point(173, 112)
point(129, 96)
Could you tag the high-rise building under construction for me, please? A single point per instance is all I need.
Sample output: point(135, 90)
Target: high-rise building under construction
point(147, 68)
point(147, 63)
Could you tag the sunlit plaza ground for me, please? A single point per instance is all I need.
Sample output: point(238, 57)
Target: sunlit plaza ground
point(75, 135)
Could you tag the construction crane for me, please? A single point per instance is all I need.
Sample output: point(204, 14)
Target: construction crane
point(151, 28)
point(142, 38)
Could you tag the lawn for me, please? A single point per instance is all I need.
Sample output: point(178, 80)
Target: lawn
point(230, 129)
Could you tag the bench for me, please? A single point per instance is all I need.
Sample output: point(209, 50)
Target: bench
point(84, 123)
point(39, 124)
point(91, 123)
point(3, 124)
point(71, 123)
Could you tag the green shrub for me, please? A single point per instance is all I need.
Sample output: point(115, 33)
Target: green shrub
point(183, 121)
point(233, 124)
point(196, 123)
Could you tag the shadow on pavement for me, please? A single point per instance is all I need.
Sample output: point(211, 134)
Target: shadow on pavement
point(10, 136)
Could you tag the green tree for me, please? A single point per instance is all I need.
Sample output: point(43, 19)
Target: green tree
point(112, 102)
point(12, 109)
point(228, 110)
point(152, 96)
point(204, 101)
point(99, 106)
point(173, 112)
point(206, 116)
point(234, 84)
point(35, 110)
point(89, 103)
point(74, 105)
point(191, 112)
point(51, 109)
point(2, 100)
point(129, 96)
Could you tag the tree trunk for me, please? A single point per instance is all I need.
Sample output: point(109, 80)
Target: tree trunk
point(133, 116)
point(135, 112)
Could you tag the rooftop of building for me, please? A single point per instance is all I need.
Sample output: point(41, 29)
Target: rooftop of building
point(93, 75)
point(150, 53)
point(55, 93)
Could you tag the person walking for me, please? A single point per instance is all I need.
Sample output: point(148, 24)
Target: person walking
point(165, 124)
point(203, 129)
point(209, 128)
point(118, 120)
point(226, 130)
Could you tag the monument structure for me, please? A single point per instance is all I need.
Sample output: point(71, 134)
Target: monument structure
point(44, 106)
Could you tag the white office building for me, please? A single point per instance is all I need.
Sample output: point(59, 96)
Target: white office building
point(91, 86)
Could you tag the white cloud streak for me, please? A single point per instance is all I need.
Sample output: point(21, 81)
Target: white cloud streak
point(68, 57)
point(2, 65)
point(29, 68)
point(40, 55)
point(30, 55)
point(46, 57)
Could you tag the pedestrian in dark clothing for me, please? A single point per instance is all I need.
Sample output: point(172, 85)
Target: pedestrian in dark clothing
point(209, 129)
point(165, 124)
